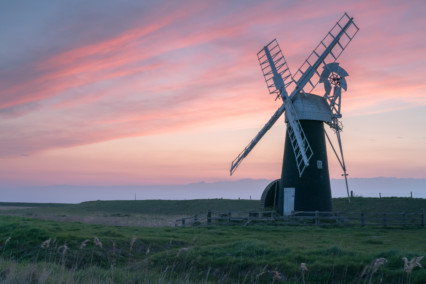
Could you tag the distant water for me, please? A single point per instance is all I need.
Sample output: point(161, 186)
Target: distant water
point(244, 189)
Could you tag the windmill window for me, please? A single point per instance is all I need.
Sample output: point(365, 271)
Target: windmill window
point(319, 164)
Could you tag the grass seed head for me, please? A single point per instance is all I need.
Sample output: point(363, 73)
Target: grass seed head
point(303, 267)
point(277, 275)
point(413, 263)
point(84, 243)
point(365, 271)
point(379, 262)
point(46, 243)
point(63, 249)
point(132, 242)
point(97, 242)
point(7, 240)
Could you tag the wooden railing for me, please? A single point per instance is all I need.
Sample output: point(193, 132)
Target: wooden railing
point(216, 217)
point(309, 218)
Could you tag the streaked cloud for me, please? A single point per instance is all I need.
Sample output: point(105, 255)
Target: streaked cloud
point(76, 74)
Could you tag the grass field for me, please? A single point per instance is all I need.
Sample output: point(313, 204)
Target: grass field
point(227, 254)
point(128, 213)
point(166, 212)
point(191, 207)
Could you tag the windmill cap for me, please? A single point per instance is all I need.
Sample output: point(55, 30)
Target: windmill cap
point(311, 107)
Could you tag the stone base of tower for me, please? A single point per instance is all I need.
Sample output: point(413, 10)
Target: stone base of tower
point(312, 190)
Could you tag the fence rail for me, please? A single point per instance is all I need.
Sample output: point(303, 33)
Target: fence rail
point(308, 218)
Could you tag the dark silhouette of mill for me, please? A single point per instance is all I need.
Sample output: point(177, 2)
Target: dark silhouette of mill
point(305, 183)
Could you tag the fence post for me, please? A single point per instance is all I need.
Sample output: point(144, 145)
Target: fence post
point(362, 219)
point(195, 219)
point(422, 215)
point(183, 222)
point(209, 217)
point(403, 219)
point(229, 217)
point(384, 220)
point(316, 218)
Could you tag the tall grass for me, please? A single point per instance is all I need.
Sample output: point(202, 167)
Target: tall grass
point(52, 252)
point(33, 250)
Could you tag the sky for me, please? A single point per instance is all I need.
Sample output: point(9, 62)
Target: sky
point(169, 92)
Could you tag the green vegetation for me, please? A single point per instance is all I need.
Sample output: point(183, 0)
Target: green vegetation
point(162, 207)
point(229, 254)
point(166, 207)
point(218, 253)
point(130, 213)
point(379, 205)
point(26, 204)
point(200, 206)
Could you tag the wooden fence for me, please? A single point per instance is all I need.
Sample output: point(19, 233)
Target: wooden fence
point(308, 218)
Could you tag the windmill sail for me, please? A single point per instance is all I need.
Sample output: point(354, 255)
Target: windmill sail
point(274, 68)
point(276, 73)
point(278, 79)
point(301, 148)
point(302, 154)
point(235, 163)
point(327, 51)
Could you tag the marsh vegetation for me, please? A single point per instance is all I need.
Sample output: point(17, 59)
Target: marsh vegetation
point(53, 251)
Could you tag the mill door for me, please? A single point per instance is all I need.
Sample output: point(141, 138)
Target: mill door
point(288, 200)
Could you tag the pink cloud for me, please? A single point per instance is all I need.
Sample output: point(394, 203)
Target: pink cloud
point(197, 66)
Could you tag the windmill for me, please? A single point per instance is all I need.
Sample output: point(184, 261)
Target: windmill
point(305, 182)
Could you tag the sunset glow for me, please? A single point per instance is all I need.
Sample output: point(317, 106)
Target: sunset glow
point(169, 92)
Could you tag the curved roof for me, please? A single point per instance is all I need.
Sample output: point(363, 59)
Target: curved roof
point(269, 197)
point(311, 107)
